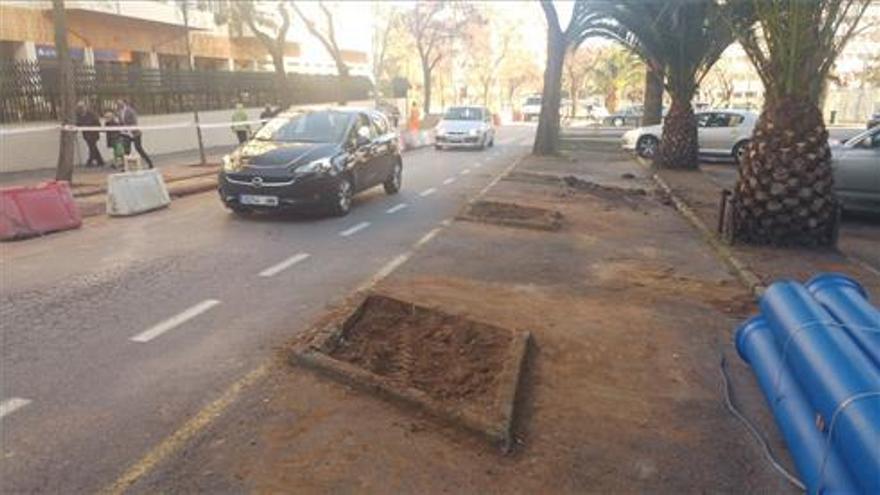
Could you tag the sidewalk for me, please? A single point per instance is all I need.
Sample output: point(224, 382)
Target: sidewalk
point(182, 173)
point(629, 312)
point(857, 254)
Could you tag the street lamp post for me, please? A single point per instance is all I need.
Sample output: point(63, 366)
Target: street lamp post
point(184, 5)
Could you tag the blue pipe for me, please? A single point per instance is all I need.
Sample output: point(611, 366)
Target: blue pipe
point(839, 380)
point(793, 413)
point(847, 302)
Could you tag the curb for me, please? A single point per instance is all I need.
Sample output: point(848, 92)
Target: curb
point(749, 278)
point(97, 189)
point(92, 208)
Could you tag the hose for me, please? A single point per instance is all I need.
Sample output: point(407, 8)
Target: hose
point(768, 454)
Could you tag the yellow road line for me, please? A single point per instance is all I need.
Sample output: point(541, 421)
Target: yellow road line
point(190, 429)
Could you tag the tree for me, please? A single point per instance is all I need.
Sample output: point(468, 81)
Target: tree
point(685, 38)
point(718, 86)
point(518, 70)
point(386, 20)
point(485, 55)
point(64, 168)
point(272, 34)
point(784, 194)
point(558, 41)
point(653, 101)
point(327, 37)
point(432, 26)
point(578, 63)
point(616, 72)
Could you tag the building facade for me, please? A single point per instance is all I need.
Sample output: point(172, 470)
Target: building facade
point(152, 34)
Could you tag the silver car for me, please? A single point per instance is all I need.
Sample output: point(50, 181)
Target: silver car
point(856, 165)
point(466, 127)
point(722, 133)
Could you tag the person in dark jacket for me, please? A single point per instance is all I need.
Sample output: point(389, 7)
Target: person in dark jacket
point(114, 140)
point(86, 117)
point(128, 117)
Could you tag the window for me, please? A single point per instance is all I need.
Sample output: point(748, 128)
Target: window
point(703, 119)
point(312, 127)
point(379, 123)
point(463, 113)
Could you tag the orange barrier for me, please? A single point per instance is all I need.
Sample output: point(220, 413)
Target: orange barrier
point(28, 211)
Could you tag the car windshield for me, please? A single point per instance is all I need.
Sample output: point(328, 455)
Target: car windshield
point(312, 127)
point(533, 101)
point(463, 113)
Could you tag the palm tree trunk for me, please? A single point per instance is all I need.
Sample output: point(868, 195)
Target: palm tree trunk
point(653, 103)
point(784, 195)
point(678, 144)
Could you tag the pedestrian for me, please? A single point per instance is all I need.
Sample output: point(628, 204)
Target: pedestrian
point(128, 117)
point(114, 140)
point(414, 121)
point(267, 113)
point(86, 117)
point(241, 130)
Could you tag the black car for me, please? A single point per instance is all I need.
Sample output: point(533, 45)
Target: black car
point(312, 158)
point(874, 120)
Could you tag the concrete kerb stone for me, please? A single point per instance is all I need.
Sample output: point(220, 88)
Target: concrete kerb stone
point(749, 278)
point(315, 357)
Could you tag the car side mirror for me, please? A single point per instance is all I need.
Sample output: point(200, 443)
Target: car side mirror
point(361, 141)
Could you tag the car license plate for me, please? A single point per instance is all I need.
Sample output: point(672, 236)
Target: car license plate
point(256, 200)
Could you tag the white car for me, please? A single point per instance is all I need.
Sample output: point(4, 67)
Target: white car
point(719, 133)
point(467, 127)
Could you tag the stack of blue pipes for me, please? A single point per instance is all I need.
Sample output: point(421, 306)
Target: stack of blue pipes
point(815, 351)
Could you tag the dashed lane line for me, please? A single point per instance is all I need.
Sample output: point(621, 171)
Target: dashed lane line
point(175, 321)
point(428, 192)
point(284, 265)
point(396, 208)
point(465, 171)
point(11, 405)
point(355, 229)
point(449, 181)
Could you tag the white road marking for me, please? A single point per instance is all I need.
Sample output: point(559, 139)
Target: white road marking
point(284, 265)
point(449, 181)
point(478, 164)
point(428, 192)
point(465, 171)
point(427, 237)
point(353, 230)
point(396, 208)
point(384, 271)
point(9, 406)
point(174, 321)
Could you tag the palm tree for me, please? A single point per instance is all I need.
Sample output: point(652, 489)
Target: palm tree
point(784, 193)
point(682, 38)
point(615, 72)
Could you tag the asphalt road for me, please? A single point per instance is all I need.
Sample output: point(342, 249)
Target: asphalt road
point(115, 334)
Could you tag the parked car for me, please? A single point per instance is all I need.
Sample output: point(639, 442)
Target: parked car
point(719, 133)
point(468, 127)
point(391, 112)
point(856, 165)
point(531, 108)
point(312, 158)
point(874, 120)
point(627, 116)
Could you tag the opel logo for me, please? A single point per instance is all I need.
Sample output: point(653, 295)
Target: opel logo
point(257, 181)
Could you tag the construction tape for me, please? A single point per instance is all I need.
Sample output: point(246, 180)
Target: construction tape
point(129, 128)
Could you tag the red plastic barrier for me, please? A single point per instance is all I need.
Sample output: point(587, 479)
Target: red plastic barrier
point(27, 211)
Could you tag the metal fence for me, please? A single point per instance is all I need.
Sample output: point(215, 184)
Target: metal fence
point(29, 91)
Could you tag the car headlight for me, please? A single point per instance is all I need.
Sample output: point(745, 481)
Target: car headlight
point(320, 166)
point(474, 132)
point(231, 163)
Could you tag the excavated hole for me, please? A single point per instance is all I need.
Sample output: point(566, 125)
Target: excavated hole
point(513, 215)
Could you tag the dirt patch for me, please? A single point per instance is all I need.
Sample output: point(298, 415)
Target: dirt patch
point(458, 369)
point(513, 215)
